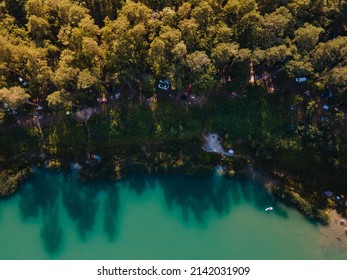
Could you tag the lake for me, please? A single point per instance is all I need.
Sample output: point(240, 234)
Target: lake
point(55, 216)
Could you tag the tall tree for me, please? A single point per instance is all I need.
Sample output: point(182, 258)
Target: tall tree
point(67, 73)
point(100, 9)
point(299, 66)
point(223, 53)
point(307, 37)
point(178, 67)
point(190, 33)
point(250, 31)
point(156, 56)
point(234, 10)
point(202, 72)
point(59, 100)
point(338, 77)
point(277, 24)
point(203, 14)
point(14, 96)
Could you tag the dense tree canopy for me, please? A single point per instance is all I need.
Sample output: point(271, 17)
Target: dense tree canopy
point(13, 97)
point(71, 46)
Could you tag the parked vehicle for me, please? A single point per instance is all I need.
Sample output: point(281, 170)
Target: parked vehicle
point(23, 82)
point(164, 84)
point(301, 80)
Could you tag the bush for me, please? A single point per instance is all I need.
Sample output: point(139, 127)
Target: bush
point(53, 164)
point(302, 204)
point(10, 180)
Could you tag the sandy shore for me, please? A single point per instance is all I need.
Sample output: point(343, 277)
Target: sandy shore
point(335, 233)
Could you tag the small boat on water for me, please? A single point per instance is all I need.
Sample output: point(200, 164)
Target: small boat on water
point(269, 209)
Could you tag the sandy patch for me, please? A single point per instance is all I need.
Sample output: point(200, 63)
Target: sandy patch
point(335, 233)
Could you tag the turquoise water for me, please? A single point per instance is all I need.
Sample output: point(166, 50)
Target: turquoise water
point(54, 216)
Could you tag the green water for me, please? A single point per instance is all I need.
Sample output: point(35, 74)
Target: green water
point(54, 216)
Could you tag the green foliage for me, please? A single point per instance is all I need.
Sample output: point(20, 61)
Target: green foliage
point(223, 53)
point(10, 179)
point(202, 71)
point(156, 56)
point(250, 118)
point(338, 76)
point(14, 96)
point(235, 9)
point(250, 30)
point(299, 67)
point(307, 37)
point(329, 60)
point(278, 23)
point(38, 27)
point(58, 100)
point(301, 203)
point(61, 48)
point(54, 164)
point(86, 80)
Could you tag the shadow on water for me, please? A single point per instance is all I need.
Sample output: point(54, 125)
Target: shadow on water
point(111, 212)
point(52, 232)
point(196, 196)
point(140, 184)
point(191, 195)
point(220, 197)
point(199, 195)
point(246, 190)
point(236, 194)
point(39, 194)
point(1, 215)
point(40, 197)
point(81, 203)
point(262, 198)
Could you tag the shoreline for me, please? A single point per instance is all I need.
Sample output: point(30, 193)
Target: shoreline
point(128, 167)
point(156, 143)
point(334, 234)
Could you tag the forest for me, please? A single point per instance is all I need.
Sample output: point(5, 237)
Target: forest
point(274, 74)
point(63, 49)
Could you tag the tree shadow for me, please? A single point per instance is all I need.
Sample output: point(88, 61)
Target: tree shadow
point(40, 195)
point(221, 197)
point(246, 190)
point(196, 196)
point(263, 199)
point(111, 212)
point(236, 194)
point(138, 184)
point(1, 205)
point(51, 232)
point(27, 203)
point(80, 202)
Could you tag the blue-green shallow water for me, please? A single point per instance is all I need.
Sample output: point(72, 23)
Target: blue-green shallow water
point(53, 216)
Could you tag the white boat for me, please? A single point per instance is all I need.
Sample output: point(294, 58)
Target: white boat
point(269, 209)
